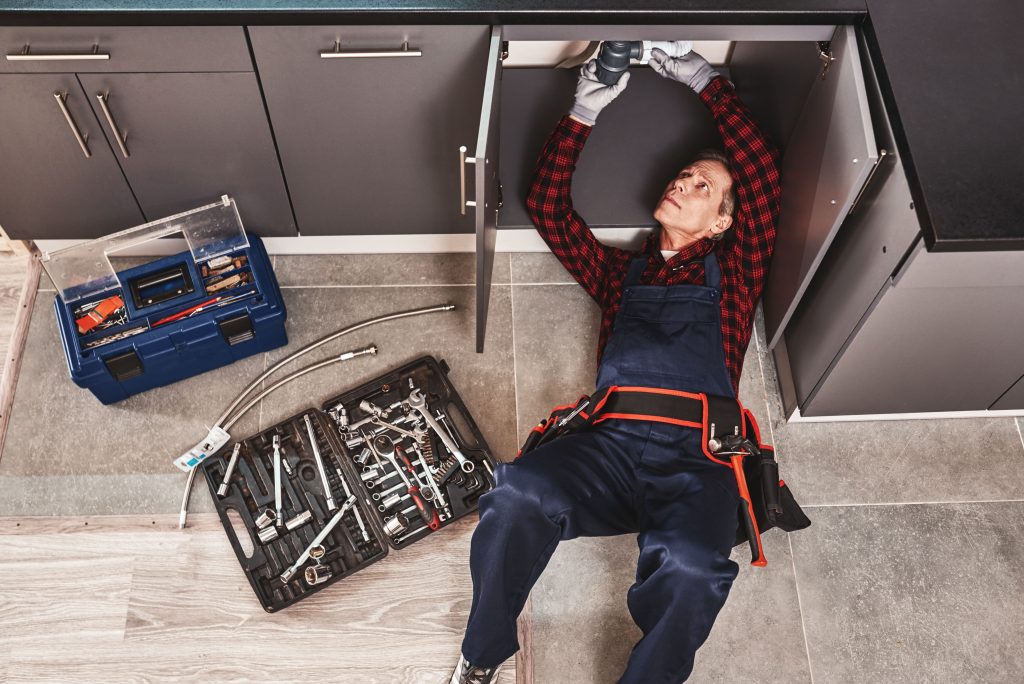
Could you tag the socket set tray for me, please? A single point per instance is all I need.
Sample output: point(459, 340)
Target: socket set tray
point(380, 466)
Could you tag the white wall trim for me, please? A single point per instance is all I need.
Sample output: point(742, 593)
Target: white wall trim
point(935, 415)
point(508, 240)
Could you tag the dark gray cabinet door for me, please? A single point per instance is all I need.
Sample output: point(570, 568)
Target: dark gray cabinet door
point(487, 182)
point(370, 144)
point(50, 188)
point(828, 159)
point(190, 138)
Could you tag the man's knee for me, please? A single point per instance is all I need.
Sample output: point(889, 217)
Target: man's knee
point(687, 568)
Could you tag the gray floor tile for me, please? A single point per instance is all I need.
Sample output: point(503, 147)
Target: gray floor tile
point(58, 429)
point(73, 495)
point(556, 331)
point(964, 459)
point(907, 594)
point(583, 632)
point(538, 267)
point(485, 381)
point(384, 269)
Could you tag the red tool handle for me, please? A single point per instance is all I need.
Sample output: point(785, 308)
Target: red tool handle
point(429, 517)
point(747, 513)
point(186, 312)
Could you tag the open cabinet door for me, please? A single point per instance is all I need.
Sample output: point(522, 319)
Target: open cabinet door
point(487, 188)
point(828, 160)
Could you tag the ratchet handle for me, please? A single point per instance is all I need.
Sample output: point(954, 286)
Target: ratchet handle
point(747, 513)
point(432, 521)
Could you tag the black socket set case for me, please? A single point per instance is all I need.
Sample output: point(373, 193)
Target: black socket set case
point(251, 486)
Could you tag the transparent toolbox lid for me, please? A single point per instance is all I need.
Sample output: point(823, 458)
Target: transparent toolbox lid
point(85, 269)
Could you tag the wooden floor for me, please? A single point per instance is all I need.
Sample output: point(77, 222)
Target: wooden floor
point(133, 598)
point(111, 599)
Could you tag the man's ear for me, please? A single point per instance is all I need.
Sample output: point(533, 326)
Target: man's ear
point(721, 224)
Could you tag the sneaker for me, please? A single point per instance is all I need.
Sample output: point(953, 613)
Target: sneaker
point(467, 673)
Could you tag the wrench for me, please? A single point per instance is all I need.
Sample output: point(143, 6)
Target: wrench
point(287, 575)
point(277, 480)
point(430, 480)
point(384, 447)
point(418, 402)
point(348, 495)
point(331, 504)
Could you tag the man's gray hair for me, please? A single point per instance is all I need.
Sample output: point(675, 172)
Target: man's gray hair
point(728, 205)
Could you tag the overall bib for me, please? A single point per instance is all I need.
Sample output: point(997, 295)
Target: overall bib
point(621, 477)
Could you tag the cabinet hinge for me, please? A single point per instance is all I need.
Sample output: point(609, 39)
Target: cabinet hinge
point(825, 55)
point(504, 51)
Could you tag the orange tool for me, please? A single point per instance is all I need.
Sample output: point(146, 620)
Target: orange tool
point(98, 314)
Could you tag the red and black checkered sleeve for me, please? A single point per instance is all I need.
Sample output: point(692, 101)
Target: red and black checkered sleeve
point(549, 204)
point(755, 165)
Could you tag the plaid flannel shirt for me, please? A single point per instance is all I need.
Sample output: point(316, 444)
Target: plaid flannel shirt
point(743, 255)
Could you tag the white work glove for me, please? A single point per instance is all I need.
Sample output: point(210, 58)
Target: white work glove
point(691, 68)
point(592, 96)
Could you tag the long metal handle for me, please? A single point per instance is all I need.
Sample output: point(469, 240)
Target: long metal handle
point(463, 160)
point(83, 140)
point(102, 97)
point(338, 53)
point(26, 55)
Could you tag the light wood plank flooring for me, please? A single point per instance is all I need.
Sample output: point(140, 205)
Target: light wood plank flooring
point(112, 599)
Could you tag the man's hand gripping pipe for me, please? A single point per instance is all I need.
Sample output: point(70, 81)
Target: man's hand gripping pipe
point(227, 419)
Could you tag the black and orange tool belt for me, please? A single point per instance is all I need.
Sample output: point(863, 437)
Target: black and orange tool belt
point(730, 437)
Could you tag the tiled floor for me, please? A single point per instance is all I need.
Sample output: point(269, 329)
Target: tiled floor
point(912, 571)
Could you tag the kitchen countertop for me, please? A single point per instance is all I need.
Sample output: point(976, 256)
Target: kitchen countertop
point(949, 74)
point(955, 79)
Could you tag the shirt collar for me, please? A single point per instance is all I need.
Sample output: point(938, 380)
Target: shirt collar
point(695, 250)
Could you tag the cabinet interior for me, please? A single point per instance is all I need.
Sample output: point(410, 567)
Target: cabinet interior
point(653, 128)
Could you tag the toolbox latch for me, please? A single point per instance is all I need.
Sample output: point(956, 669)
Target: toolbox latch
point(124, 366)
point(237, 329)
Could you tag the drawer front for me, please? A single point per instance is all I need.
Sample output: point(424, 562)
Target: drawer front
point(84, 49)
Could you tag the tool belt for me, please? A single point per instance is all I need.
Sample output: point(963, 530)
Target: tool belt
point(730, 437)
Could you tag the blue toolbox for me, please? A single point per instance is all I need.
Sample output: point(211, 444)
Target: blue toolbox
point(128, 327)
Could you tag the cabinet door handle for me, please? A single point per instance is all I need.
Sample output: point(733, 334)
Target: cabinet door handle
point(102, 97)
point(338, 53)
point(463, 160)
point(26, 55)
point(83, 140)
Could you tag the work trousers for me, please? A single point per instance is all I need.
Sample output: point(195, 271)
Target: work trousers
point(619, 477)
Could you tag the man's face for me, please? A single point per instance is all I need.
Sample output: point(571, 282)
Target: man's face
point(692, 199)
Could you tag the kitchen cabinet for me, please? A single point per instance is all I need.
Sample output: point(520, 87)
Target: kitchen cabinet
point(641, 141)
point(369, 121)
point(193, 137)
point(888, 327)
point(59, 176)
point(154, 141)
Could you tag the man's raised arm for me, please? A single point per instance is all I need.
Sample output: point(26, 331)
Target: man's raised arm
point(754, 161)
point(755, 165)
point(549, 201)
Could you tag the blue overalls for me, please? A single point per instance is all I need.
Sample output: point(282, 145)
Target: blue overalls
point(619, 477)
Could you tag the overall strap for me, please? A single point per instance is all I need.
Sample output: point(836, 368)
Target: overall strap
point(636, 269)
point(712, 272)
